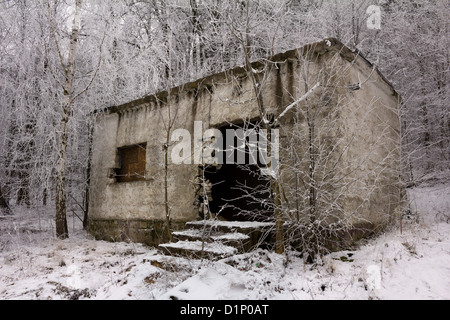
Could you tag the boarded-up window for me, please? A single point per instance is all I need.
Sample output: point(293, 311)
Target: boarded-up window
point(131, 163)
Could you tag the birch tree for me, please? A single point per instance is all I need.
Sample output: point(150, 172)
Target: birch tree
point(68, 67)
point(66, 112)
point(153, 45)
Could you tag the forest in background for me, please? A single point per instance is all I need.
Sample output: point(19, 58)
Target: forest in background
point(129, 49)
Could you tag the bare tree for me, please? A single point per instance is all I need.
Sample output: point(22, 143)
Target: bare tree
point(69, 72)
point(44, 128)
point(4, 204)
point(66, 111)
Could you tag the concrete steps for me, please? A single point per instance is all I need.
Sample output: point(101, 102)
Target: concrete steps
point(215, 239)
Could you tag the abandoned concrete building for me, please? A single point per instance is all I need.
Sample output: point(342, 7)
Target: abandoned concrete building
point(339, 150)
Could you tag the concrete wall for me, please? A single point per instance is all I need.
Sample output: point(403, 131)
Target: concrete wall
point(364, 130)
point(371, 121)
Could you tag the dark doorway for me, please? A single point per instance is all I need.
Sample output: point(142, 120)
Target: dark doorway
point(239, 191)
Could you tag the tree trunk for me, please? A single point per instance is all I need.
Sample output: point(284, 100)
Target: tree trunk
point(61, 217)
point(88, 178)
point(267, 125)
point(166, 185)
point(4, 204)
point(62, 231)
point(197, 43)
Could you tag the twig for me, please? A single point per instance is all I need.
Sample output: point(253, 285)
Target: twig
point(289, 107)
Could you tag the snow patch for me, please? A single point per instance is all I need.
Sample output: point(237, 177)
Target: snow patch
point(373, 279)
point(213, 247)
point(197, 233)
point(412, 264)
point(208, 284)
point(233, 224)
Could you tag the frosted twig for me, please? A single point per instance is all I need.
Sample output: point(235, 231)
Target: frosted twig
point(289, 107)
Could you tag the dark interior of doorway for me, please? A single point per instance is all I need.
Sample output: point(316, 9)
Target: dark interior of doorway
point(239, 192)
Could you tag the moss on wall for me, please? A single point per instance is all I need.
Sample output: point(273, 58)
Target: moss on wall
point(149, 232)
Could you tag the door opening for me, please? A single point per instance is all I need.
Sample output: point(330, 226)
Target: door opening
point(239, 192)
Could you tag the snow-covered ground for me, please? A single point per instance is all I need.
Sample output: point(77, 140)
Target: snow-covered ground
point(412, 264)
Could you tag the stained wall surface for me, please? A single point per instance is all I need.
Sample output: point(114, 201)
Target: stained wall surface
point(359, 130)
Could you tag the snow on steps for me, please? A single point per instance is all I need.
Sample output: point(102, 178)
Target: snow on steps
point(208, 236)
point(199, 249)
point(230, 226)
point(217, 239)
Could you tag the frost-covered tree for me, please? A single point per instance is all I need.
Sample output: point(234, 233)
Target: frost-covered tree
point(137, 48)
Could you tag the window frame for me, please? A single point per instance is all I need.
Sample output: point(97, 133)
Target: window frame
point(141, 163)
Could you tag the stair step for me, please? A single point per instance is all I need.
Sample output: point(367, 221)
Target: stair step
point(234, 239)
point(220, 238)
point(198, 234)
point(245, 227)
point(198, 249)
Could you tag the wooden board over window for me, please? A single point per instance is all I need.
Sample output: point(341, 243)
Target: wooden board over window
point(131, 163)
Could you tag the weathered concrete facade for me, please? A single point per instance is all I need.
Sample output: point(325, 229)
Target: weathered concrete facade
point(360, 127)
